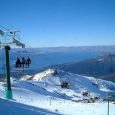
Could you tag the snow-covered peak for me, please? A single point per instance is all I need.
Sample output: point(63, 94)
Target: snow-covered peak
point(26, 77)
point(43, 74)
point(51, 78)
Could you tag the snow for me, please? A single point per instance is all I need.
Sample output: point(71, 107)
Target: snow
point(41, 94)
point(100, 59)
point(39, 76)
point(14, 108)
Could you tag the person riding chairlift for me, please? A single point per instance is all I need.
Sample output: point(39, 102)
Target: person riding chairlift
point(23, 62)
point(18, 63)
point(28, 62)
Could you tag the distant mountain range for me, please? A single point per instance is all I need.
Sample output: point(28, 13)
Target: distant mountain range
point(100, 67)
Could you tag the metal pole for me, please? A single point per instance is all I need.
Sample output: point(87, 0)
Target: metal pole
point(8, 92)
point(50, 100)
point(64, 97)
point(108, 107)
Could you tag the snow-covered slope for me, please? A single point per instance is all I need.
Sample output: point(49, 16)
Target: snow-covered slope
point(15, 108)
point(50, 79)
point(43, 90)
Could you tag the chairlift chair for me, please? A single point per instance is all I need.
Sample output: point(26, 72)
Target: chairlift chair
point(22, 61)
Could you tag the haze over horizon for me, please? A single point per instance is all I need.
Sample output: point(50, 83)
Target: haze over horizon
point(61, 23)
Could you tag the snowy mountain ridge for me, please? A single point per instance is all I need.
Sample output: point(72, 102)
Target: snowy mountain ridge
point(43, 94)
point(54, 78)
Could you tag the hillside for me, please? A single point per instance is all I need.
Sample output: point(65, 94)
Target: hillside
point(42, 93)
point(110, 77)
point(99, 67)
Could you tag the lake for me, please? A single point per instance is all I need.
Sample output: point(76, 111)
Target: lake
point(41, 59)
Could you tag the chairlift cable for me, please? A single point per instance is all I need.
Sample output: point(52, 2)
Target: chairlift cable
point(4, 28)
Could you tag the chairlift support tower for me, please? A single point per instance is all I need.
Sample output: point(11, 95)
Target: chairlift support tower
point(6, 45)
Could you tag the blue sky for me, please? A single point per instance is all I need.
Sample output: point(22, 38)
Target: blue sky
point(47, 23)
